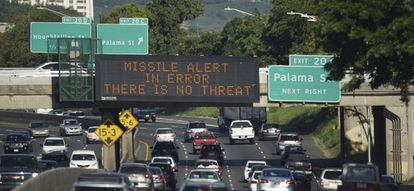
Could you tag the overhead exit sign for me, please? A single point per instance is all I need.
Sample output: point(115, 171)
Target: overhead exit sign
point(123, 39)
point(309, 60)
point(80, 20)
point(133, 21)
point(301, 84)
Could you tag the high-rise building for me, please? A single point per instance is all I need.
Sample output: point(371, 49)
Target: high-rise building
point(85, 7)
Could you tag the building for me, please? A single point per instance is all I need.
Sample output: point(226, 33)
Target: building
point(85, 7)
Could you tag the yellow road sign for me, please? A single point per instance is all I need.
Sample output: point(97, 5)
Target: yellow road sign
point(108, 132)
point(128, 120)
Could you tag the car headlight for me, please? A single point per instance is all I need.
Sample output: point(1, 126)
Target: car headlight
point(34, 174)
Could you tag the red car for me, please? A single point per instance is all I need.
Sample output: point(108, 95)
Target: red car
point(203, 138)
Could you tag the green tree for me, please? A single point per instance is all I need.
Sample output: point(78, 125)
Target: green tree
point(369, 37)
point(126, 10)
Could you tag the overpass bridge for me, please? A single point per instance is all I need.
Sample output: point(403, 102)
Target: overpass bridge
point(363, 113)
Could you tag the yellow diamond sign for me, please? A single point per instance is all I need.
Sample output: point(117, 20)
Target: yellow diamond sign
point(108, 132)
point(128, 120)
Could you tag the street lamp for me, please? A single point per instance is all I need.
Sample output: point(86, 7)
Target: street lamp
point(53, 11)
point(238, 10)
point(310, 18)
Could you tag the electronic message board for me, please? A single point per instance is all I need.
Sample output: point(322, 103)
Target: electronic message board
point(177, 79)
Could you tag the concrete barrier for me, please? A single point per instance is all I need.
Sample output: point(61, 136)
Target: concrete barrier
point(58, 179)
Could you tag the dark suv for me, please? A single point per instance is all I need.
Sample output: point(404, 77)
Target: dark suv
point(18, 143)
point(212, 152)
point(165, 149)
point(17, 168)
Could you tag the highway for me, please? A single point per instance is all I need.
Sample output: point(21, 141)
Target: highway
point(235, 155)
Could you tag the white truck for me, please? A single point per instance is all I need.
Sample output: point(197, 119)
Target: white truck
point(241, 130)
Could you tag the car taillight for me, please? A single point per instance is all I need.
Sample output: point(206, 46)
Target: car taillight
point(277, 130)
point(253, 181)
point(189, 131)
point(231, 131)
point(298, 141)
point(147, 176)
point(321, 183)
point(266, 131)
point(264, 181)
point(281, 141)
point(253, 130)
point(289, 181)
point(159, 178)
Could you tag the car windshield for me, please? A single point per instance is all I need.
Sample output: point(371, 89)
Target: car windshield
point(16, 138)
point(203, 175)
point(270, 126)
point(206, 163)
point(164, 167)
point(289, 137)
point(37, 125)
point(162, 160)
point(196, 125)
point(91, 188)
point(164, 145)
point(54, 142)
point(204, 136)
point(133, 170)
point(254, 164)
point(91, 130)
point(332, 175)
point(83, 157)
point(241, 124)
point(71, 122)
point(164, 131)
point(210, 148)
point(20, 162)
point(257, 174)
point(361, 174)
point(155, 171)
point(276, 173)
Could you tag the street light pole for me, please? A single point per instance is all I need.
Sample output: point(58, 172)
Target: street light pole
point(238, 10)
point(53, 11)
point(310, 18)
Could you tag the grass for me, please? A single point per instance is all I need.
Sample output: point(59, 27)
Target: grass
point(327, 137)
point(191, 111)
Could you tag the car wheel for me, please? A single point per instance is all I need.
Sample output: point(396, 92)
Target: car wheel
point(231, 141)
point(194, 151)
point(146, 120)
point(153, 120)
point(251, 141)
point(261, 137)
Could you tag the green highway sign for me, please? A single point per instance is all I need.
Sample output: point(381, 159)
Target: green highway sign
point(309, 60)
point(133, 21)
point(80, 20)
point(301, 84)
point(123, 39)
point(40, 32)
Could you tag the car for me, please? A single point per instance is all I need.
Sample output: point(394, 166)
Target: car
point(203, 138)
point(70, 127)
point(159, 178)
point(298, 162)
point(18, 143)
point(103, 181)
point(52, 144)
point(206, 185)
point(168, 172)
point(15, 169)
point(47, 164)
point(139, 175)
point(164, 134)
point(253, 180)
point(359, 177)
point(276, 179)
point(58, 112)
point(78, 114)
point(168, 160)
point(83, 159)
point(192, 128)
point(241, 130)
point(249, 165)
point(330, 179)
point(203, 175)
point(91, 136)
point(209, 164)
point(255, 168)
point(214, 152)
point(305, 181)
point(165, 149)
point(39, 129)
point(145, 114)
point(291, 149)
point(388, 183)
point(286, 139)
point(60, 157)
point(268, 130)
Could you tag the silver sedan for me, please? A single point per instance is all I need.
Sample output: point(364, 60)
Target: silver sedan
point(276, 179)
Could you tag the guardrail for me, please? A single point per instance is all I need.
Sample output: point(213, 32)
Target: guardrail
point(58, 179)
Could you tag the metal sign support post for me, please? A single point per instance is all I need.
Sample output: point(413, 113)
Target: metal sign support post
point(111, 155)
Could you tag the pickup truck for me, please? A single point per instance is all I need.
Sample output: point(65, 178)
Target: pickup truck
point(360, 177)
point(241, 130)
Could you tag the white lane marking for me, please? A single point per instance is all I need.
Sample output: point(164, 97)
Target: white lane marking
point(186, 157)
point(78, 140)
